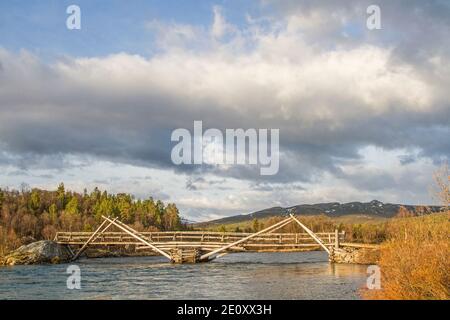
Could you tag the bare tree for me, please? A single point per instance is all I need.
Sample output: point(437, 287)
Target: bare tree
point(442, 185)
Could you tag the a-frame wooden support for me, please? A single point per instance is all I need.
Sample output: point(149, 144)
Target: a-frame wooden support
point(216, 253)
point(92, 238)
point(206, 257)
point(287, 221)
point(138, 237)
point(276, 226)
point(131, 229)
point(316, 238)
point(135, 234)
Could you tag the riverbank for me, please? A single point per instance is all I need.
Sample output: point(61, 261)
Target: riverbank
point(49, 252)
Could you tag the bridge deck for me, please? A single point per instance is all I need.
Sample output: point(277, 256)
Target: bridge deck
point(203, 239)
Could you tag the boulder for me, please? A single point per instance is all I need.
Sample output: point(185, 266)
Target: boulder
point(40, 252)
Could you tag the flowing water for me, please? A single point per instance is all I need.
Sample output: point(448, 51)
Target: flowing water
point(300, 275)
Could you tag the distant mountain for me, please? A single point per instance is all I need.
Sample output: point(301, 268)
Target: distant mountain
point(187, 221)
point(373, 208)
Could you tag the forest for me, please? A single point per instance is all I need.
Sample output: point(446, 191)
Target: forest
point(32, 214)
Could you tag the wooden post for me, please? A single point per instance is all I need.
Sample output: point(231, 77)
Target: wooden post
point(336, 240)
point(101, 233)
point(311, 234)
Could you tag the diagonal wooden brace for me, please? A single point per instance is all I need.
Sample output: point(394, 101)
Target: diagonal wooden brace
point(92, 238)
point(311, 234)
point(138, 237)
point(275, 226)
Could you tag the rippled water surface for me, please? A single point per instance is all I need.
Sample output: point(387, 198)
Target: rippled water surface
point(301, 275)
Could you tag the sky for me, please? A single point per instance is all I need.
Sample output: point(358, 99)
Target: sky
point(362, 114)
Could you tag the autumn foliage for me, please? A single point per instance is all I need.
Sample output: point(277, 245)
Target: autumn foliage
point(30, 215)
point(415, 261)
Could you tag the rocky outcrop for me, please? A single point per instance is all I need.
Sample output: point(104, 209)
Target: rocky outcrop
point(40, 252)
point(355, 255)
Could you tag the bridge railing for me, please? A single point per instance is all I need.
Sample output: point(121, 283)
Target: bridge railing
point(269, 239)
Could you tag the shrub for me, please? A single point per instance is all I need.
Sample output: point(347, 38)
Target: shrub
point(415, 261)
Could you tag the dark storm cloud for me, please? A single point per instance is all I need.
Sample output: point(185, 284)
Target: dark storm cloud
point(407, 159)
point(195, 183)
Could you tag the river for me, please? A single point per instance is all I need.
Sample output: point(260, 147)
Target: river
point(300, 275)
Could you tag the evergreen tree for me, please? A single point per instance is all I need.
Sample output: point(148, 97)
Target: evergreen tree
point(53, 212)
point(72, 206)
point(35, 200)
point(61, 195)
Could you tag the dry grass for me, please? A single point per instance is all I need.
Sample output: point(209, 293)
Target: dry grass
point(415, 261)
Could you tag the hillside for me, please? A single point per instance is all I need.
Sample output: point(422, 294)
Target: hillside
point(372, 209)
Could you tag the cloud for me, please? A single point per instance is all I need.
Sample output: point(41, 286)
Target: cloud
point(332, 88)
point(124, 107)
point(416, 30)
point(195, 183)
point(220, 26)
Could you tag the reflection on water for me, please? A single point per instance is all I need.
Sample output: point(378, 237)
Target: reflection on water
point(301, 275)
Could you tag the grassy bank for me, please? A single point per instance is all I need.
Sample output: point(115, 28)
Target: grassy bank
point(415, 259)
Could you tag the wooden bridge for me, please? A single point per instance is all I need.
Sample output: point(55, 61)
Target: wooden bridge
point(199, 246)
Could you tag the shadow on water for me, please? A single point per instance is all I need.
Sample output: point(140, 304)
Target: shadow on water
point(299, 275)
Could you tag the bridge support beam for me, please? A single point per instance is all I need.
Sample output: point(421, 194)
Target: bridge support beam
point(185, 255)
point(212, 255)
point(136, 235)
point(93, 237)
point(317, 239)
